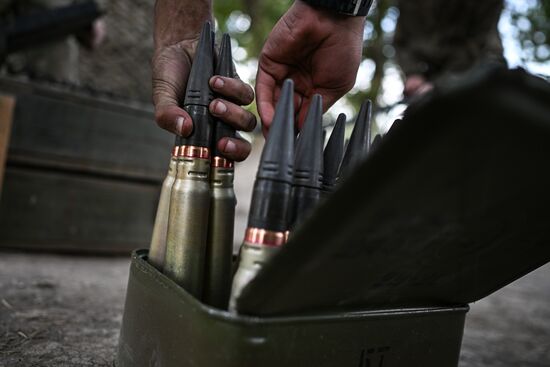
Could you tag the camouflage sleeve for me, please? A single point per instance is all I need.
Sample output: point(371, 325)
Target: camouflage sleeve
point(434, 37)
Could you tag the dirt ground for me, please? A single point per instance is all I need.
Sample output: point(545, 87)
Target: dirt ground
point(61, 310)
point(66, 311)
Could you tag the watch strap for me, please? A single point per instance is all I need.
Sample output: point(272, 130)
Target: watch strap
point(345, 7)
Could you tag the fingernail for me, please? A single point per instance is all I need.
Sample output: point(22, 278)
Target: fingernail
point(179, 125)
point(220, 108)
point(230, 147)
point(218, 83)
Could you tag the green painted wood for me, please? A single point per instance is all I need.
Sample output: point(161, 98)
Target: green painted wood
point(83, 172)
point(65, 130)
point(69, 212)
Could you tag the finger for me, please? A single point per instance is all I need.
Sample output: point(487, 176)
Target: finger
point(233, 115)
point(174, 119)
point(235, 149)
point(233, 89)
point(329, 98)
point(170, 72)
point(299, 100)
point(265, 88)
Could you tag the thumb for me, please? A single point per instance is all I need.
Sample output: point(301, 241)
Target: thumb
point(171, 67)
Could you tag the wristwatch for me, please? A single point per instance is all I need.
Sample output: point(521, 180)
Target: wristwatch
point(345, 7)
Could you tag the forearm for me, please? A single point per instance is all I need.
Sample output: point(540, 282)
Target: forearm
point(178, 20)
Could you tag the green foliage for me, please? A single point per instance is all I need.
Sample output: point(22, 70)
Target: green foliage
point(262, 15)
point(375, 48)
point(533, 29)
point(259, 16)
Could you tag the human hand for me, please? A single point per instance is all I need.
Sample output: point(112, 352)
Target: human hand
point(319, 50)
point(229, 110)
point(416, 84)
point(177, 28)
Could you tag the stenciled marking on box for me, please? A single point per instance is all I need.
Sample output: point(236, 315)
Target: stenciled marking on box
point(373, 357)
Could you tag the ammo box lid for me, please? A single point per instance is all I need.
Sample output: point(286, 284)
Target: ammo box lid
point(453, 205)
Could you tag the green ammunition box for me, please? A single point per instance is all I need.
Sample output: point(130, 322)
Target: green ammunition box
point(165, 326)
point(450, 207)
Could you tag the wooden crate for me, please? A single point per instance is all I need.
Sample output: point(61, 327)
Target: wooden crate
point(7, 105)
point(82, 173)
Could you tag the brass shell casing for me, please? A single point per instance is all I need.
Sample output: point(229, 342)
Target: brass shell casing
point(258, 248)
point(188, 223)
point(157, 249)
point(219, 248)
